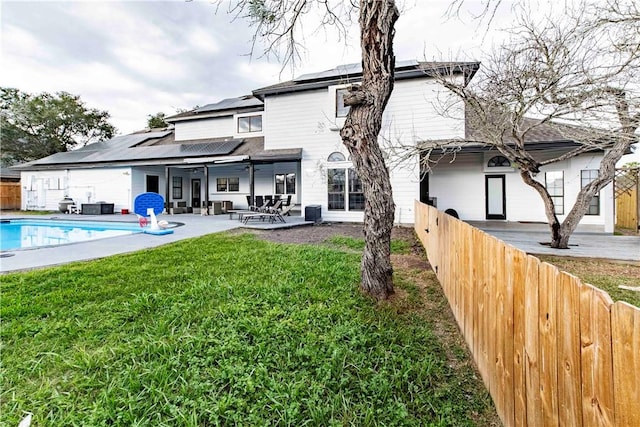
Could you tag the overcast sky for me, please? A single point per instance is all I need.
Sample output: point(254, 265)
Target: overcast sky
point(135, 58)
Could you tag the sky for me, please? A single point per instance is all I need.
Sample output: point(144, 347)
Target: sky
point(136, 58)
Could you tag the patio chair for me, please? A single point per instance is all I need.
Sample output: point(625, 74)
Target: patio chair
point(260, 208)
point(73, 208)
point(259, 201)
point(286, 210)
point(269, 200)
point(288, 202)
point(249, 201)
point(271, 213)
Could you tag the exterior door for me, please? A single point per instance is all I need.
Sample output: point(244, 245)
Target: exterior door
point(153, 184)
point(196, 198)
point(496, 206)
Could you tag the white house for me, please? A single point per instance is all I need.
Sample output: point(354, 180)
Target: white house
point(283, 140)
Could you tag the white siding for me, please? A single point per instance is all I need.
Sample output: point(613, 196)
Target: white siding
point(205, 128)
point(307, 120)
point(461, 186)
point(139, 180)
point(111, 185)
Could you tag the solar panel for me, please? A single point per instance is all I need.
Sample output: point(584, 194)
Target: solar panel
point(210, 148)
point(347, 69)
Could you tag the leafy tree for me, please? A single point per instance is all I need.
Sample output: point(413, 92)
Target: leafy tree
point(576, 74)
point(36, 126)
point(157, 121)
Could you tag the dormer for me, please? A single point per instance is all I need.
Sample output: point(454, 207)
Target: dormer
point(231, 117)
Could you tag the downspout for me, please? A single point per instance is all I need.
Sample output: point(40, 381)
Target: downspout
point(167, 188)
point(251, 183)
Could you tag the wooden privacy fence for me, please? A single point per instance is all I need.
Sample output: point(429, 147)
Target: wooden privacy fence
point(626, 183)
point(10, 195)
point(551, 350)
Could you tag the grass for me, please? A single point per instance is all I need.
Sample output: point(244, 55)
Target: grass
point(604, 274)
point(35, 213)
point(225, 330)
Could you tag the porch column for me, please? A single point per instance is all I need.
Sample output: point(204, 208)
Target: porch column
point(251, 183)
point(206, 187)
point(167, 189)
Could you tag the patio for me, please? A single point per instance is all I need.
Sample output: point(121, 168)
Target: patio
point(190, 225)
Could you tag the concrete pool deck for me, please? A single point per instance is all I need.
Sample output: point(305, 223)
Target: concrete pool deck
point(192, 226)
point(586, 242)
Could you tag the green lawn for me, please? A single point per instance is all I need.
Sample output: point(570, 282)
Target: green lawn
point(222, 330)
point(604, 274)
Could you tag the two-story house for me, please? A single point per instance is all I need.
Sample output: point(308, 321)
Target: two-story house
point(284, 140)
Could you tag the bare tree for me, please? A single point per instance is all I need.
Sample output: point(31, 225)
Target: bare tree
point(279, 22)
point(576, 76)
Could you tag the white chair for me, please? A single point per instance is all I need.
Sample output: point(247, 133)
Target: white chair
point(73, 209)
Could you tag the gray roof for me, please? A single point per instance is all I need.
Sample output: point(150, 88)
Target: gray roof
point(226, 107)
point(159, 148)
point(352, 73)
point(231, 104)
point(9, 173)
point(541, 136)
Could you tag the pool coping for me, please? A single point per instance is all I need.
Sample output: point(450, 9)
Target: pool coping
point(35, 258)
point(5, 253)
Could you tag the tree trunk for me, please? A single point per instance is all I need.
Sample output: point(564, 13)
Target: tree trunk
point(558, 239)
point(606, 173)
point(360, 136)
point(561, 232)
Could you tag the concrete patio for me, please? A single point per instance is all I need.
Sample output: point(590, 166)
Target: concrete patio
point(586, 242)
point(189, 225)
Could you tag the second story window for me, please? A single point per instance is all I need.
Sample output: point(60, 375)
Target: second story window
point(341, 109)
point(250, 124)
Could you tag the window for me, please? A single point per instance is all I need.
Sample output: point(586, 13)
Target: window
point(234, 184)
point(336, 189)
point(586, 176)
point(356, 195)
point(336, 157)
point(554, 182)
point(341, 109)
point(176, 185)
point(499, 162)
point(250, 124)
point(285, 183)
point(224, 185)
point(338, 192)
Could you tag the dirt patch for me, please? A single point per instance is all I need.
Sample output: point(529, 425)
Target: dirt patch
point(322, 232)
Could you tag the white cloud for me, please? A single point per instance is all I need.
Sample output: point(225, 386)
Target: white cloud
point(202, 40)
point(138, 58)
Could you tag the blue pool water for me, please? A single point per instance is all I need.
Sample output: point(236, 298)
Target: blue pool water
point(28, 233)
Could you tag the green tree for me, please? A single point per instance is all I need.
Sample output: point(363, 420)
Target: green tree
point(36, 126)
point(157, 121)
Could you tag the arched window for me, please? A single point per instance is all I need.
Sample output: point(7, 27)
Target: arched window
point(499, 162)
point(336, 157)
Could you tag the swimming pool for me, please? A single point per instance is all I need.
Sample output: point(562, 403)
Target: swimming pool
point(33, 233)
